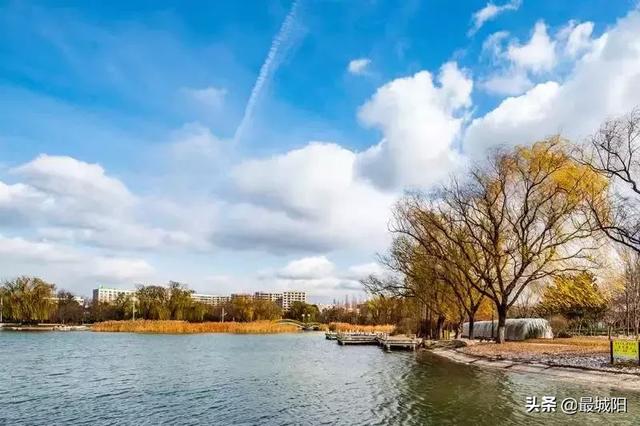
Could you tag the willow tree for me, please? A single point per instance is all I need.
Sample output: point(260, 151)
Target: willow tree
point(416, 218)
point(418, 279)
point(28, 299)
point(574, 296)
point(525, 219)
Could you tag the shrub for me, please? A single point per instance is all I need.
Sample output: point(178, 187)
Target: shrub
point(559, 325)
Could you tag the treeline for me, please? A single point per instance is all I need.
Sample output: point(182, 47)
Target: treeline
point(174, 302)
point(32, 300)
point(527, 223)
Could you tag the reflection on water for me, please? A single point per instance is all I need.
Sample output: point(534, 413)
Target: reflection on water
point(96, 378)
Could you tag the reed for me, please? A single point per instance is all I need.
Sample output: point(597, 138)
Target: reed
point(183, 327)
point(346, 327)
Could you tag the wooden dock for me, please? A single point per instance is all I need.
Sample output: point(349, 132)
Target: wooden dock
point(399, 342)
point(357, 338)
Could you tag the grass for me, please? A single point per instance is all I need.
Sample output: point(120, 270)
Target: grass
point(183, 327)
point(346, 327)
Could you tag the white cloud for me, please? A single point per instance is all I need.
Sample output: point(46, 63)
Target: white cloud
point(73, 179)
point(211, 97)
point(195, 143)
point(307, 268)
point(420, 120)
point(358, 66)
point(538, 54)
point(306, 199)
point(64, 199)
point(67, 266)
point(603, 82)
point(489, 12)
point(577, 37)
point(517, 67)
point(319, 276)
point(513, 82)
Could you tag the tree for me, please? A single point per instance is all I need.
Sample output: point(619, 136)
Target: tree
point(123, 307)
point(154, 302)
point(266, 310)
point(574, 296)
point(613, 153)
point(524, 220)
point(180, 302)
point(298, 309)
point(420, 280)
point(28, 299)
point(433, 230)
point(526, 212)
point(68, 309)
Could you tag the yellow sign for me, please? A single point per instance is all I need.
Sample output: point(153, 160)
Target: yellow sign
point(625, 350)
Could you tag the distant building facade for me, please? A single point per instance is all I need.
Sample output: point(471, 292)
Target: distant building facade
point(273, 297)
point(282, 299)
point(108, 295)
point(288, 297)
point(210, 299)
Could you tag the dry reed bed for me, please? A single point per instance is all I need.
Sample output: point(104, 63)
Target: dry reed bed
point(183, 327)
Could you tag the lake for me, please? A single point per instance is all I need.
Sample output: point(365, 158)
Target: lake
point(297, 379)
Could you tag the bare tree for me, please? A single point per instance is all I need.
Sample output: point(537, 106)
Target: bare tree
point(524, 220)
point(613, 152)
point(418, 279)
point(417, 219)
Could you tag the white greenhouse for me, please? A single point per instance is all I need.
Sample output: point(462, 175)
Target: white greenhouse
point(515, 329)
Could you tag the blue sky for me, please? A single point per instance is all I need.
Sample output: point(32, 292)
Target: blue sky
point(120, 155)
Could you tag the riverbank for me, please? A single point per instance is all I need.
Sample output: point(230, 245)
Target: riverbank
point(578, 360)
point(184, 327)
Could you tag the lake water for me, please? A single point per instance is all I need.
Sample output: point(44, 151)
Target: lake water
point(302, 379)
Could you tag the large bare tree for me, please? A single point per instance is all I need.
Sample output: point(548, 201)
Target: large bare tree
point(519, 219)
point(614, 153)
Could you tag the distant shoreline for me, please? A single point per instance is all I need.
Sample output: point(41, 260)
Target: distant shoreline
point(184, 327)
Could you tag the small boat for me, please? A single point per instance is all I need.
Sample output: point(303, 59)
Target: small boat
point(331, 335)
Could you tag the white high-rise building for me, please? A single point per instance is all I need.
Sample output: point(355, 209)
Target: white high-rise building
point(288, 297)
point(104, 294)
point(209, 299)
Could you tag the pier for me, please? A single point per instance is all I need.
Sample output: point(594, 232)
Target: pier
point(357, 338)
point(400, 341)
point(383, 340)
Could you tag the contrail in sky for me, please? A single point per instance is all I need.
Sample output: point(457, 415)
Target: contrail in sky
point(266, 71)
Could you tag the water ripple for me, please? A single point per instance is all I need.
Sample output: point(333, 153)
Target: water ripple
point(297, 379)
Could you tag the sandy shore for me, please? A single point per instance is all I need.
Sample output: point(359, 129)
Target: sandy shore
point(615, 379)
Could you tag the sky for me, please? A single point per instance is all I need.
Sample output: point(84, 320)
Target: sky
point(247, 146)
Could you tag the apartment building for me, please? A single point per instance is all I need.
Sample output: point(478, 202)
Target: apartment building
point(273, 297)
point(283, 299)
point(104, 294)
point(288, 297)
point(210, 299)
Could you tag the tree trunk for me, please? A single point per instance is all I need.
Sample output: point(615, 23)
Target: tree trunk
point(440, 327)
point(471, 322)
point(502, 322)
